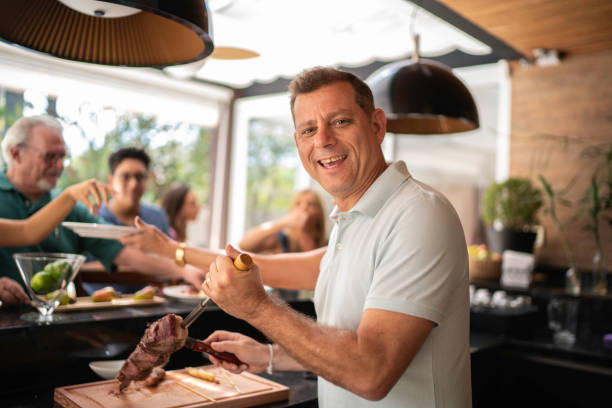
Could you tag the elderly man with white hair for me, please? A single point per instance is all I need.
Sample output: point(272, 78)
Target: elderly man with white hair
point(34, 152)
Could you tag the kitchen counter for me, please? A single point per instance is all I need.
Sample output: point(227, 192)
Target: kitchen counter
point(526, 367)
point(38, 358)
point(513, 356)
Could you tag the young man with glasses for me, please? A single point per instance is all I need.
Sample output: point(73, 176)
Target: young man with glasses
point(129, 169)
point(33, 150)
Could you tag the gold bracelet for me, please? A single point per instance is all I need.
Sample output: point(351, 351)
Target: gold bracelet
point(179, 256)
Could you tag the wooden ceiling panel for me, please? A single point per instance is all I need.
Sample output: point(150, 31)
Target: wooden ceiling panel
point(570, 26)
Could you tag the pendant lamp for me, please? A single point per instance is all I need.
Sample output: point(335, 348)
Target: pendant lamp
point(422, 96)
point(154, 33)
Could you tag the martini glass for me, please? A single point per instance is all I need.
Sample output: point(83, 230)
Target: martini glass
point(46, 277)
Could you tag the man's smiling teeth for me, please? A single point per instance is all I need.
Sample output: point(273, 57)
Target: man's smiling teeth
point(329, 162)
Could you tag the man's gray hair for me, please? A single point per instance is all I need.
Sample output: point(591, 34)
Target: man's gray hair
point(20, 132)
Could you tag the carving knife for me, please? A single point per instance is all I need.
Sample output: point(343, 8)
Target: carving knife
point(199, 345)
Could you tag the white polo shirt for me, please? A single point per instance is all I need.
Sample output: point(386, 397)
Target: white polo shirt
point(401, 248)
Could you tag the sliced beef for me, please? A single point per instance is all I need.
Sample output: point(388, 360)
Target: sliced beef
point(160, 340)
point(157, 375)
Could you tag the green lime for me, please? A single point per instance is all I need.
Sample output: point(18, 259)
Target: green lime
point(59, 269)
point(42, 282)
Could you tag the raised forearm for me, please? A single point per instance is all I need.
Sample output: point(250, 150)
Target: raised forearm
point(135, 260)
point(38, 226)
point(255, 239)
point(288, 271)
point(200, 258)
point(298, 270)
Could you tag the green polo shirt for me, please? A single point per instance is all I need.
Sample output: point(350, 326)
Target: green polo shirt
point(14, 205)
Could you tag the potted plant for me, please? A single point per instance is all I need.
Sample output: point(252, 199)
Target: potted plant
point(509, 212)
point(572, 275)
point(597, 205)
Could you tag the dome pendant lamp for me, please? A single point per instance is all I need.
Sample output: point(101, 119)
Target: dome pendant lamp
point(155, 33)
point(422, 96)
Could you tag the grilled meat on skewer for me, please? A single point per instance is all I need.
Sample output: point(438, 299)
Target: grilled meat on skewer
point(157, 375)
point(160, 340)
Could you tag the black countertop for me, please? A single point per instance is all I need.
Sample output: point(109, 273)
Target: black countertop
point(38, 358)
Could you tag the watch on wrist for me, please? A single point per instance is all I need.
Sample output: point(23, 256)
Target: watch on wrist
point(179, 256)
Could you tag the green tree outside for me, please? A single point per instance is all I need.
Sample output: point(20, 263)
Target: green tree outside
point(170, 162)
point(272, 161)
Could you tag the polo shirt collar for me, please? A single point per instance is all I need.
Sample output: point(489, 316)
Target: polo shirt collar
point(379, 192)
point(5, 184)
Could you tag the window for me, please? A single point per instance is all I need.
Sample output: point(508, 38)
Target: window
point(272, 167)
point(103, 109)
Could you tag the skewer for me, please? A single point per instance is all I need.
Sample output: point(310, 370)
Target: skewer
point(227, 377)
point(179, 381)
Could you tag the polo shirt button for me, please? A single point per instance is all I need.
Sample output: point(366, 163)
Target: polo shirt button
point(338, 246)
point(27, 203)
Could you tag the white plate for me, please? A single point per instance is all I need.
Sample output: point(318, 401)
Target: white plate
point(106, 231)
point(106, 369)
point(181, 293)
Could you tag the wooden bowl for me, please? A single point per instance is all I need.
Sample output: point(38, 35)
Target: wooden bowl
point(485, 269)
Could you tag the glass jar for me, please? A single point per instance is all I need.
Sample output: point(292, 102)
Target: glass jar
point(600, 274)
point(572, 280)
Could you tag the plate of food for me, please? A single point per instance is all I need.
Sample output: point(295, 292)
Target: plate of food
point(106, 231)
point(108, 298)
point(184, 293)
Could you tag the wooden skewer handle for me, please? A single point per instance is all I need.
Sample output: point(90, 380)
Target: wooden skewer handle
point(243, 262)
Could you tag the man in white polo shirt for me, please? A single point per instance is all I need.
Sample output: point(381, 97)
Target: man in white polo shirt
point(391, 289)
point(391, 296)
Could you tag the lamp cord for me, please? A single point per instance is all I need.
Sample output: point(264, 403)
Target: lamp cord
point(413, 34)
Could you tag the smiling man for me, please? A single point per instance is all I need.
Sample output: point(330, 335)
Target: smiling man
point(391, 288)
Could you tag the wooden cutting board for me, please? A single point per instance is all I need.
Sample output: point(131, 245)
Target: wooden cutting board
point(178, 389)
point(85, 303)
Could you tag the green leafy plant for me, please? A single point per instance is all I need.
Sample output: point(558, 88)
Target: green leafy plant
point(512, 204)
point(554, 198)
point(597, 203)
point(597, 200)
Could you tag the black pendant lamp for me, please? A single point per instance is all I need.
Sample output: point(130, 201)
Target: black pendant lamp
point(422, 96)
point(156, 33)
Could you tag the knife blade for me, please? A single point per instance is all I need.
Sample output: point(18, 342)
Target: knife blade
point(201, 346)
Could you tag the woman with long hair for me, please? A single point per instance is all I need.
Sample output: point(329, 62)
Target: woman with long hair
point(181, 205)
point(302, 229)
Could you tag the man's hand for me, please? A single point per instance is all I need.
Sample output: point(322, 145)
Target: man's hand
point(238, 293)
point(255, 355)
point(91, 192)
point(150, 240)
point(11, 293)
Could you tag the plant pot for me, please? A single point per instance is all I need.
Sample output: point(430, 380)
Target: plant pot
point(515, 240)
